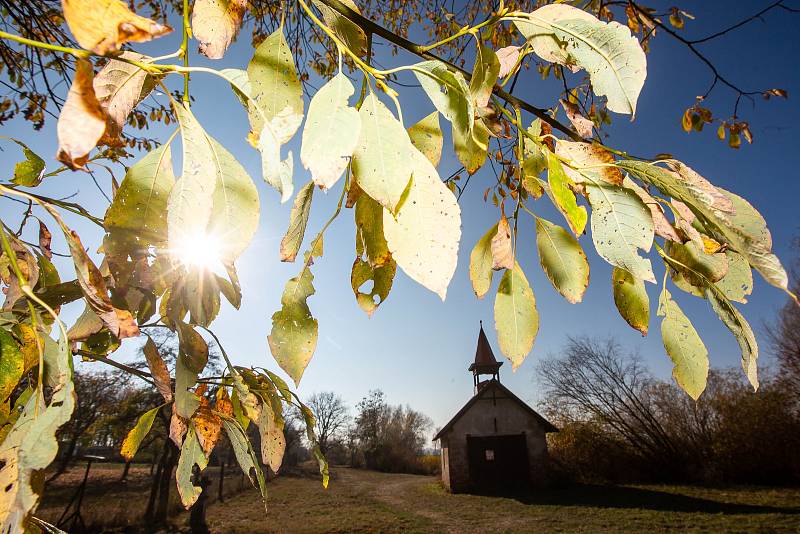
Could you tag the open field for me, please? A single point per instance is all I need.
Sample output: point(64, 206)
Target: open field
point(365, 501)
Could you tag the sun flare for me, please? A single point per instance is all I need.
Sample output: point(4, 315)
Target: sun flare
point(203, 251)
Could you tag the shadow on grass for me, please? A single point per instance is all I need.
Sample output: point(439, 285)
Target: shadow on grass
point(623, 497)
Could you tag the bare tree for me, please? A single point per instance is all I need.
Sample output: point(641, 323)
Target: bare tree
point(596, 380)
point(785, 335)
point(332, 416)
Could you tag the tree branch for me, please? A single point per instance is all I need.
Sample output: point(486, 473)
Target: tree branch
point(372, 28)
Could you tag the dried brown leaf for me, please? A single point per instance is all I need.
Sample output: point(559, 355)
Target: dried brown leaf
point(82, 121)
point(502, 248)
point(582, 125)
point(215, 24)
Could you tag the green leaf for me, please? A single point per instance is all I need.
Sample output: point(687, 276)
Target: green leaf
point(738, 282)
point(381, 276)
point(215, 195)
point(298, 220)
point(331, 132)
point(381, 158)
point(701, 268)
point(28, 173)
point(373, 260)
point(484, 75)
point(515, 316)
point(423, 237)
point(191, 199)
point(277, 172)
point(621, 225)
point(245, 455)
point(684, 347)
point(12, 365)
point(31, 444)
point(349, 32)
point(740, 328)
point(480, 263)
point(616, 64)
point(186, 402)
point(191, 454)
point(274, 85)
point(370, 240)
point(726, 217)
point(562, 260)
point(448, 92)
point(426, 135)
point(630, 297)
point(294, 331)
point(563, 197)
point(134, 438)
point(235, 206)
point(140, 205)
point(471, 148)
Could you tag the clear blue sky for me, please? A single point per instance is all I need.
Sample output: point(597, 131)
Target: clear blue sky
point(417, 348)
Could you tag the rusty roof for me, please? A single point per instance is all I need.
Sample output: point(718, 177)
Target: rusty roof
point(484, 357)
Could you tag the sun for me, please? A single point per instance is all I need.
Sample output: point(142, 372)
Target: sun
point(199, 251)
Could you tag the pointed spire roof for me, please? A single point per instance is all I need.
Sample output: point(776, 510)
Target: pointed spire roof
point(485, 362)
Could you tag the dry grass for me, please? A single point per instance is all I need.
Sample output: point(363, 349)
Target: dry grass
point(364, 501)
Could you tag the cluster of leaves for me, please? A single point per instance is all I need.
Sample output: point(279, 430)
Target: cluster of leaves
point(405, 216)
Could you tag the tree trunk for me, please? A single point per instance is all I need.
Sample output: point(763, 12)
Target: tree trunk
point(220, 496)
point(158, 502)
point(164, 485)
point(124, 477)
point(151, 501)
point(65, 460)
point(197, 513)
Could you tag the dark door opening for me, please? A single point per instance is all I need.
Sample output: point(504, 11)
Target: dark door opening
point(498, 463)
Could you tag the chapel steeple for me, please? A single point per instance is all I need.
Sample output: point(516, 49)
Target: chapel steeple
point(485, 363)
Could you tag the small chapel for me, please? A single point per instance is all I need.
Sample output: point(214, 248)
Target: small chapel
point(496, 442)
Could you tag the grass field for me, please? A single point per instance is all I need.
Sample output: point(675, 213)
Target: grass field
point(365, 501)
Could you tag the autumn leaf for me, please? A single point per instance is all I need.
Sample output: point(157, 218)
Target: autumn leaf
point(215, 24)
point(82, 121)
point(588, 162)
point(133, 440)
point(298, 220)
point(158, 370)
point(208, 426)
point(120, 87)
point(582, 125)
point(502, 247)
point(102, 26)
point(508, 57)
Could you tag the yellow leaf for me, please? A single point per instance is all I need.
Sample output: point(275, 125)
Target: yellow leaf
point(103, 25)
